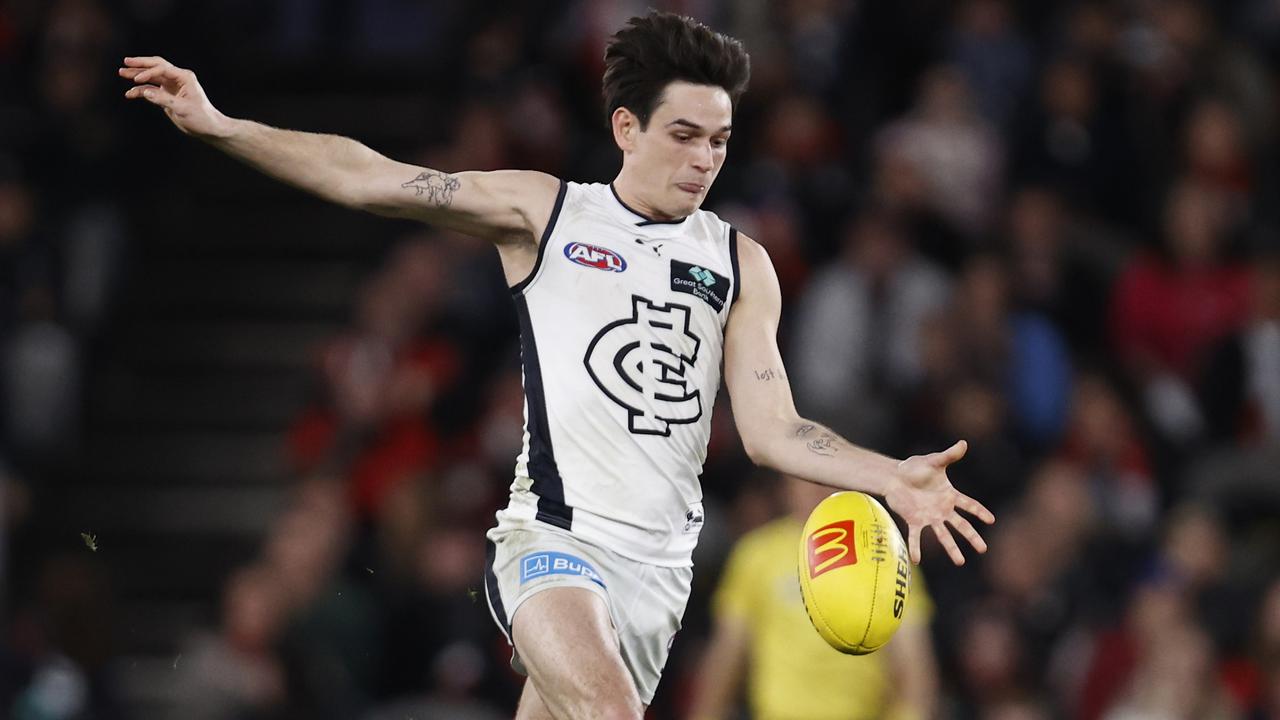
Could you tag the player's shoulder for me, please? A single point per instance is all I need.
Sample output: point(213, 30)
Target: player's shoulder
point(535, 195)
point(758, 281)
point(751, 251)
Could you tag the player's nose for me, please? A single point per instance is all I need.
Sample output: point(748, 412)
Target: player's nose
point(703, 159)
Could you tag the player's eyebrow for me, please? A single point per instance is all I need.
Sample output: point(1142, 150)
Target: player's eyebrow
point(695, 126)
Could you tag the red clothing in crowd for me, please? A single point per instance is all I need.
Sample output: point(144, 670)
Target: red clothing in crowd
point(1172, 315)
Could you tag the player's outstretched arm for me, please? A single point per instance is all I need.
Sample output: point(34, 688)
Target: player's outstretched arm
point(503, 205)
point(776, 436)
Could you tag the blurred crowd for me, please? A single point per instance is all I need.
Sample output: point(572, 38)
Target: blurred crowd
point(63, 242)
point(1049, 228)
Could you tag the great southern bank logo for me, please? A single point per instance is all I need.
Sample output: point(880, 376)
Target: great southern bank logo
point(593, 256)
point(702, 275)
point(556, 563)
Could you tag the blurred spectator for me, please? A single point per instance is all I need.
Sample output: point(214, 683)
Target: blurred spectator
point(1058, 267)
point(954, 151)
point(797, 152)
point(41, 381)
point(1169, 309)
point(1218, 157)
point(380, 382)
point(979, 347)
point(1071, 143)
point(764, 637)
point(1240, 387)
point(331, 645)
point(988, 49)
point(1175, 679)
point(68, 641)
point(992, 670)
point(236, 674)
point(1102, 440)
point(856, 336)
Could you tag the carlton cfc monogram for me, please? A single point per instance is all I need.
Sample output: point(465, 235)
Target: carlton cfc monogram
point(647, 375)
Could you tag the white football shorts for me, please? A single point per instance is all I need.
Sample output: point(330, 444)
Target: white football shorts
point(646, 602)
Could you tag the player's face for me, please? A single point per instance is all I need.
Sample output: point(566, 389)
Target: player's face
point(681, 151)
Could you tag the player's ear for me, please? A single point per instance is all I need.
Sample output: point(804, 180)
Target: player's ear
point(625, 128)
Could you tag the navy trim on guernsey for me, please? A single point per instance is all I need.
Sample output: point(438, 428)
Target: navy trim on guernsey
point(547, 483)
point(491, 589)
point(542, 243)
point(647, 220)
point(733, 262)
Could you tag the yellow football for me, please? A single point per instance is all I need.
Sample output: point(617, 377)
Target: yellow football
point(855, 574)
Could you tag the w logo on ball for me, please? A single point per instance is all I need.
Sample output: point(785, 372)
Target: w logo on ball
point(831, 547)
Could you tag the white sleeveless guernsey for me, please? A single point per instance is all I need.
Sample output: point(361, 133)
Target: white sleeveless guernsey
point(621, 339)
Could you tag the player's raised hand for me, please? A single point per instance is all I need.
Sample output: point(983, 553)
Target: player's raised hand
point(924, 497)
point(177, 91)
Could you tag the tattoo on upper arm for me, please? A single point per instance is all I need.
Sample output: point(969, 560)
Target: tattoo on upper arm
point(804, 430)
point(437, 186)
point(769, 374)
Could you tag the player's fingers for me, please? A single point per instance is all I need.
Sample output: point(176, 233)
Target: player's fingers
point(975, 508)
point(913, 543)
point(951, 454)
point(948, 543)
point(156, 96)
point(148, 61)
point(129, 72)
point(161, 73)
point(137, 90)
point(966, 530)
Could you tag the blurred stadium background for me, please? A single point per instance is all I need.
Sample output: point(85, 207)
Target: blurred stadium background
point(251, 442)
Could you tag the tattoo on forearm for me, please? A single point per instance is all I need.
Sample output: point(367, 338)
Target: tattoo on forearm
point(824, 444)
point(769, 374)
point(436, 185)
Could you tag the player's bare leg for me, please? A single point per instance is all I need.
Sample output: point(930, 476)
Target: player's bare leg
point(568, 644)
point(531, 706)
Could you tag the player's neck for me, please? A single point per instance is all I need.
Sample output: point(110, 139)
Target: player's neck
point(626, 191)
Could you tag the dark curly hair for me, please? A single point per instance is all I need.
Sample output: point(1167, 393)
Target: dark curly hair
point(659, 48)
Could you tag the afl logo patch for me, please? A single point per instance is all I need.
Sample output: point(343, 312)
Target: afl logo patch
point(596, 257)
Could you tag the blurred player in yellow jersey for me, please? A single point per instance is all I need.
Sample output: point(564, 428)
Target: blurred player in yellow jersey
point(763, 634)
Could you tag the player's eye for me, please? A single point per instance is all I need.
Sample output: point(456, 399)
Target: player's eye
point(719, 142)
point(681, 137)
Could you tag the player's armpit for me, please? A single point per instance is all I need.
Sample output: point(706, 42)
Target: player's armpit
point(502, 206)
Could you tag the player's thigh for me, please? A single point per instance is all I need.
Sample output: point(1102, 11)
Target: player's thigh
point(568, 644)
point(532, 708)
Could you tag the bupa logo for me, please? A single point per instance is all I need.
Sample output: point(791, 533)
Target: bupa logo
point(596, 257)
point(640, 363)
point(556, 563)
point(831, 547)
